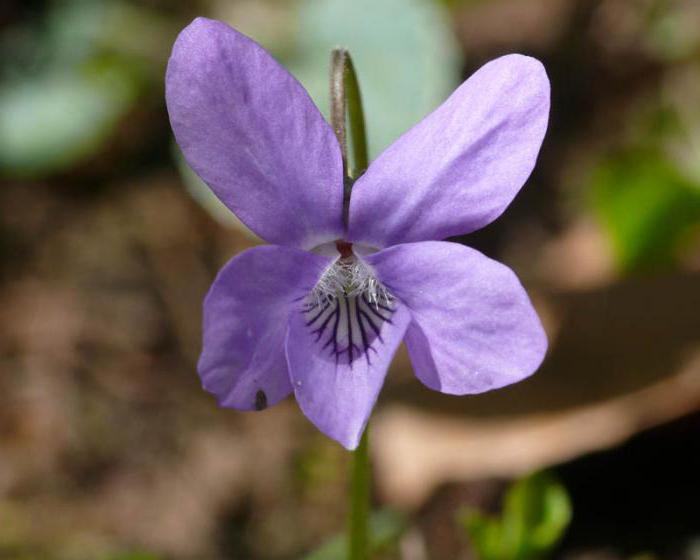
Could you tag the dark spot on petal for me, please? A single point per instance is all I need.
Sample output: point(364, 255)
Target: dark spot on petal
point(260, 400)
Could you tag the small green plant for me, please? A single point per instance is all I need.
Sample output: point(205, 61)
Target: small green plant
point(385, 529)
point(536, 512)
point(134, 556)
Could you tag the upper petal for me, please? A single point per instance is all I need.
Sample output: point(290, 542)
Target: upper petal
point(459, 168)
point(251, 132)
point(338, 358)
point(473, 327)
point(245, 323)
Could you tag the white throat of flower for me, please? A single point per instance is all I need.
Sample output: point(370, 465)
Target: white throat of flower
point(347, 309)
point(349, 277)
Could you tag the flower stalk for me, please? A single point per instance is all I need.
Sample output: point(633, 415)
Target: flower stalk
point(347, 115)
point(358, 528)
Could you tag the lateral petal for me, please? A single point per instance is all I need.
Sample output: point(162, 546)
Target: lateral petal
point(246, 312)
point(473, 328)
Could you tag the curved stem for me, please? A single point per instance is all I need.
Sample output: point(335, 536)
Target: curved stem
point(356, 118)
point(347, 115)
point(338, 101)
point(346, 109)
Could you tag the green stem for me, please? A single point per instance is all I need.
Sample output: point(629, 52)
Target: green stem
point(358, 529)
point(356, 118)
point(346, 101)
point(347, 113)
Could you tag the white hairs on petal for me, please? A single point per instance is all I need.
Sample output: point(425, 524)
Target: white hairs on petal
point(350, 277)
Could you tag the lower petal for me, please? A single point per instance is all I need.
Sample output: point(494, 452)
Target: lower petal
point(338, 353)
point(245, 322)
point(473, 327)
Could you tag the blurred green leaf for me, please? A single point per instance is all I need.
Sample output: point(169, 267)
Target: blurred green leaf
point(670, 31)
point(485, 534)
point(77, 29)
point(69, 78)
point(456, 3)
point(536, 513)
point(48, 122)
point(404, 52)
point(385, 529)
point(134, 556)
point(73, 28)
point(647, 207)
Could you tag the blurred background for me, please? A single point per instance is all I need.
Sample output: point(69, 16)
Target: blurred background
point(110, 450)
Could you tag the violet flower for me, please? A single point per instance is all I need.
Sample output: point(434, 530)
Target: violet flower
point(321, 311)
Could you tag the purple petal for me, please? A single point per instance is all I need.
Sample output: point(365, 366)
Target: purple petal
point(473, 327)
point(337, 376)
point(252, 133)
point(459, 168)
point(245, 323)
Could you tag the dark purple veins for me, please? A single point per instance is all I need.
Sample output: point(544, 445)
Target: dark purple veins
point(348, 327)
